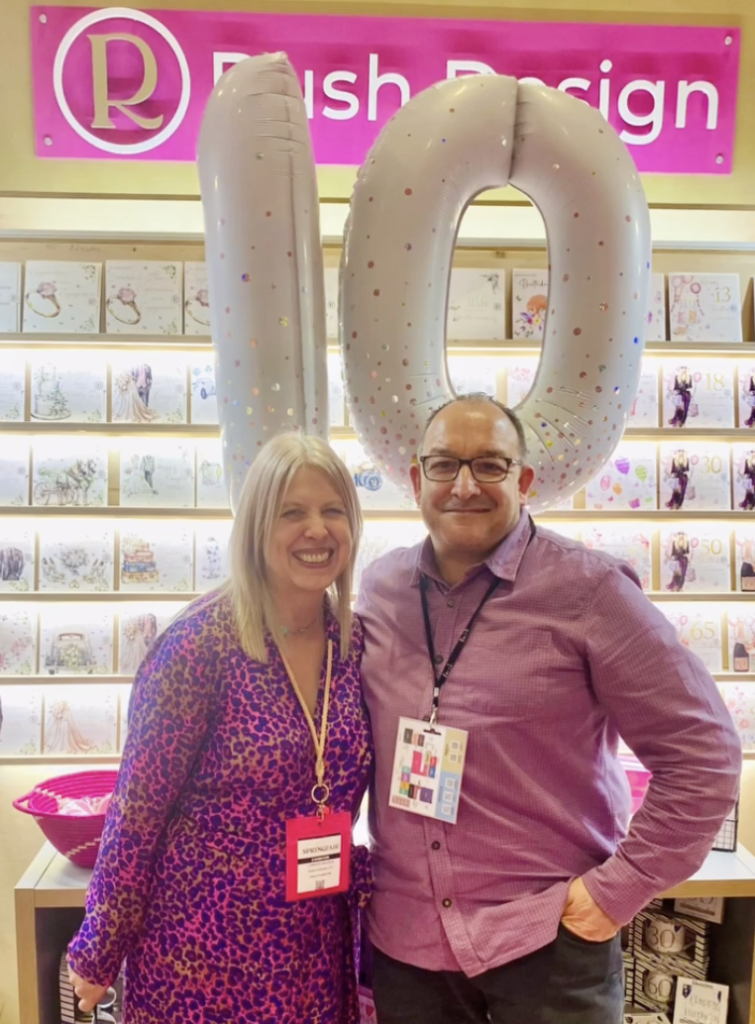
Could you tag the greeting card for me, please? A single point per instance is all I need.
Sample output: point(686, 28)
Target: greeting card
point(520, 376)
point(625, 542)
point(212, 491)
point(336, 392)
point(143, 297)
point(75, 640)
point(740, 703)
point(743, 462)
point(20, 721)
point(211, 564)
point(149, 391)
point(705, 307)
point(741, 631)
point(76, 557)
point(12, 386)
point(156, 557)
point(204, 401)
point(744, 545)
point(157, 472)
point(656, 328)
point(379, 538)
point(10, 298)
point(66, 387)
point(375, 489)
point(14, 471)
point(695, 559)
point(474, 375)
point(695, 475)
point(746, 394)
point(80, 720)
point(476, 306)
point(698, 393)
point(124, 701)
point(529, 303)
point(62, 297)
point(16, 556)
point(70, 471)
point(698, 628)
point(196, 299)
point(331, 302)
point(700, 1002)
point(18, 640)
point(644, 411)
point(138, 629)
point(628, 481)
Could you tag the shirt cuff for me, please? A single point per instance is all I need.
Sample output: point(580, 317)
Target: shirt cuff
point(620, 891)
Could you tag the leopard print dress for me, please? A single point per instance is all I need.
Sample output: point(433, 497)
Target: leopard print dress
point(189, 886)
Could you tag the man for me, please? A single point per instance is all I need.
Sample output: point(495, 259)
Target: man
point(512, 913)
point(142, 377)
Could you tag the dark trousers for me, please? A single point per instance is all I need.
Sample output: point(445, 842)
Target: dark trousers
point(569, 981)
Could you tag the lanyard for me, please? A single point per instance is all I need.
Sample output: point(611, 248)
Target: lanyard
point(320, 790)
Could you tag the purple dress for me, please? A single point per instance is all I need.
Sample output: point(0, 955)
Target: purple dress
point(190, 881)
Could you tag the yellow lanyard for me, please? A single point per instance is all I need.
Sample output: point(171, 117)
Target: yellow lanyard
point(320, 790)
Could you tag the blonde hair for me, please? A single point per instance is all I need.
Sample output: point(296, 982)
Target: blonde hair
point(259, 506)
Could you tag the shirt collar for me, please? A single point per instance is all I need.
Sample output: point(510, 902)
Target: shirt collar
point(503, 562)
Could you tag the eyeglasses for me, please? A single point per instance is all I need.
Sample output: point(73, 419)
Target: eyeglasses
point(442, 469)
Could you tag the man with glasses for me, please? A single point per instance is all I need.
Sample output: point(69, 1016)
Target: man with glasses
point(502, 663)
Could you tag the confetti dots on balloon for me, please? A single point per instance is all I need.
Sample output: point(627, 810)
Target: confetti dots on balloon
point(289, 412)
point(268, 213)
point(407, 191)
point(245, 278)
point(376, 292)
point(577, 331)
point(602, 368)
point(408, 246)
point(275, 387)
point(283, 321)
point(603, 307)
point(371, 264)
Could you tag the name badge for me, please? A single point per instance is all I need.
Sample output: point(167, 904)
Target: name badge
point(318, 851)
point(428, 767)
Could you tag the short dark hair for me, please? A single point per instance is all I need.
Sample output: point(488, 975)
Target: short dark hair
point(480, 397)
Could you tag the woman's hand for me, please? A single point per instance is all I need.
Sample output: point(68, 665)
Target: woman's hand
point(89, 994)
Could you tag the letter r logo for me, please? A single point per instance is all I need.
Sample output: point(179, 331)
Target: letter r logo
point(101, 88)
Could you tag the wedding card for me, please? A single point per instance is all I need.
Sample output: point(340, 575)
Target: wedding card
point(62, 297)
point(628, 481)
point(138, 629)
point(20, 721)
point(149, 391)
point(157, 472)
point(18, 640)
point(75, 640)
point(743, 461)
point(211, 486)
point(70, 471)
point(156, 557)
point(16, 556)
point(474, 375)
point(529, 303)
point(695, 475)
point(204, 401)
point(76, 557)
point(698, 628)
point(10, 298)
point(211, 563)
point(625, 542)
point(12, 386)
point(14, 471)
point(476, 306)
point(196, 299)
point(695, 559)
point(66, 387)
point(520, 376)
point(375, 489)
point(143, 297)
point(80, 720)
point(698, 393)
point(705, 307)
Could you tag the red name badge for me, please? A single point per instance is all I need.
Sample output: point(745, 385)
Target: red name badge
point(318, 854)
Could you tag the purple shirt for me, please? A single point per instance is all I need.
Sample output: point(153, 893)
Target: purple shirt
point(566, 655)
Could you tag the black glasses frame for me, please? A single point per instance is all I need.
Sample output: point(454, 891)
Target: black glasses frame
point(470, 462)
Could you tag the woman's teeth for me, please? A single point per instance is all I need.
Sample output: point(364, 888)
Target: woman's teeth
point(314, 559)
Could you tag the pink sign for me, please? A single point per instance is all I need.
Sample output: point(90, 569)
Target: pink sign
point(112, 83)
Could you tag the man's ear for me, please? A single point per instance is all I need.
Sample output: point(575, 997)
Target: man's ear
point(415, 472)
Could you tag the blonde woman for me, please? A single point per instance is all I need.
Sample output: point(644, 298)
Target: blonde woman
point(223, 874)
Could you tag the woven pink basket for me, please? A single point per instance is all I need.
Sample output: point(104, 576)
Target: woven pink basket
point(76, 838)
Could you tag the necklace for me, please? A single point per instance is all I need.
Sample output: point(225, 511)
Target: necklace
point(297, 632)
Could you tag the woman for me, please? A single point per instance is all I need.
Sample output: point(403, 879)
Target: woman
point(748, 479)
point(679, 556)
point(682, 397)
point(128, 405)
point(192, 881)
point(678, 473)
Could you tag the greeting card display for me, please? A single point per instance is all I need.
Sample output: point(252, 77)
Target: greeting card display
point(70, 471)
point(744, 544)
point(644, 411)
point(76, 557)
point(157, 472)
point(656, 329)
point(149, 391)
point(743, 461)
point(336, 392)
point(75, 640)
point(331, 302)
point(698, 393)
point(476, 306)
point(66, 387)
point(628, 482)
point(156, 557)
point(81, 720)
point(741, 631)
point(138, 629)
point(529, 303)
point(700, 1002)
point(14, 471)
point(12, 386)
point(10, 298)
point(699, 629)
point(695, 559)
point(211, 565)
point(20, 721)
point(196, 299)
point(474, 375)
point(375, 490)
point(62, 297)
point(204, 399)
point(740, 702)
point(705, 307)
point(211, 486)
point(16, 557)
point(746, 392)
point(18, 641)
point(625, 543)
point(520, 376)
point(379, 538)
point(695, 475)
point(143, 298)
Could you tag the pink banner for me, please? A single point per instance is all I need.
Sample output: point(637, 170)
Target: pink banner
point(111, 83)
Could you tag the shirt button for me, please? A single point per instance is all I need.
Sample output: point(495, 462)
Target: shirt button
point(438, 659)
point(447, 903)
point(452, 602)
point(436, 845)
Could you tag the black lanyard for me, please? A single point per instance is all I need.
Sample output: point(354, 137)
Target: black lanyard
point(461, 642)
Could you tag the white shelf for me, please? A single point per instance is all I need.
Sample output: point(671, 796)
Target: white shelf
point(106, 597)
point(35, 428)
